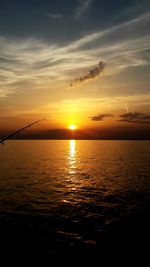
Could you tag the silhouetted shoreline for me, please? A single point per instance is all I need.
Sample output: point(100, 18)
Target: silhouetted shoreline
point(88, 134)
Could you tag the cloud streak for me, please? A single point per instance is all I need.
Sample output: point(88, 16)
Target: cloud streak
point(81, 9)
point(130, 117)
point(135, 117)
point(32, 63)
point(54, 16)
point(91, 74)
point(100, 117)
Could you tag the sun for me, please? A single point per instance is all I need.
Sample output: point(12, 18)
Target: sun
point(72, 127)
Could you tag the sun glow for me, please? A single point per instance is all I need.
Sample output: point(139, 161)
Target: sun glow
point(72, 127)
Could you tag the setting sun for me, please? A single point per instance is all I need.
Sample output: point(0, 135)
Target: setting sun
point(72, 127)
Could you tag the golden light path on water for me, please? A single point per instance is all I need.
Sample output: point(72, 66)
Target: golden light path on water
point(72, 149)
point(72, 182)
point(72, 156)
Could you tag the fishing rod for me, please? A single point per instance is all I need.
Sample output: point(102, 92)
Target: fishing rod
point(18, 131)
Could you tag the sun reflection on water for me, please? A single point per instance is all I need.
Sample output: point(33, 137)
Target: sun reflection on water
point(72, 156)
point(72, 149)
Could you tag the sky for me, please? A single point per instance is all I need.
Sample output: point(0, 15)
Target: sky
point(81, 62)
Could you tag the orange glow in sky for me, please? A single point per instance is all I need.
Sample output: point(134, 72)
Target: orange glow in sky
point(81, 81)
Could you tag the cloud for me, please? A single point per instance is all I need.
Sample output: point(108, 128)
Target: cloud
point(135, 117)
point(34, 64)
point(83, 6)
point(92, 74)
point(5, 91)
point(100, 117)
point(124, 31)
point(131, 117)
point(56, 16)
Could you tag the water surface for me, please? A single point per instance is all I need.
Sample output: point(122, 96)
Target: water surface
point(85, 197)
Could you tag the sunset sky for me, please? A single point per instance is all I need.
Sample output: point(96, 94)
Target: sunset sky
point(80, 62)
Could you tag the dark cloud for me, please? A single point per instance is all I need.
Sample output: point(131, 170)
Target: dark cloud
point(135, 117)
point(100, 117)
point(92, 74)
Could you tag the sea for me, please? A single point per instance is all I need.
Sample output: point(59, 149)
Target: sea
point(79, 199)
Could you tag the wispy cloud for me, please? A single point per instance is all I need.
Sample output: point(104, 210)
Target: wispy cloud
point(135, 117)
point(82, 7)
point(28, 63)
point(56, 16)
point(5, 91)
point(100, 117)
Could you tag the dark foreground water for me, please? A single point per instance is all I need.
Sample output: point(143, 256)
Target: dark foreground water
point(80, 199)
